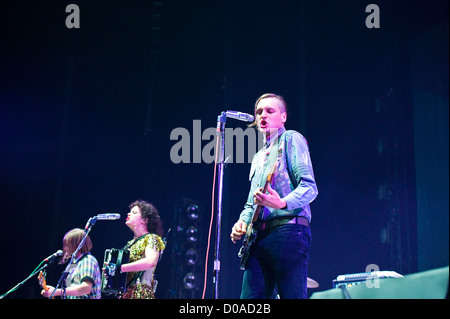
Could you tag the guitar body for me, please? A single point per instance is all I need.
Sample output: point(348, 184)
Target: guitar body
point(252, 229)
point(250, 238)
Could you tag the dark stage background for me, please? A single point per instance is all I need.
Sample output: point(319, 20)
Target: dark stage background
point(86, 116)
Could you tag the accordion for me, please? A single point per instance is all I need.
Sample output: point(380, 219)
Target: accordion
point(114, 282)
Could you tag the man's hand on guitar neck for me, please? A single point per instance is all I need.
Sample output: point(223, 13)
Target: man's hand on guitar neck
point(239, 229)
point(270, 199)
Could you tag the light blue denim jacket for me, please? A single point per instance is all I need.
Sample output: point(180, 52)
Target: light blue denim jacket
point(293, 180)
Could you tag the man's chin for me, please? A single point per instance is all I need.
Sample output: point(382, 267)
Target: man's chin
point(263, 130)
point(267, 130)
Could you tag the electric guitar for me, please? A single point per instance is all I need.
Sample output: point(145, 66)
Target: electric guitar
point(252, 229)
point(42, 282)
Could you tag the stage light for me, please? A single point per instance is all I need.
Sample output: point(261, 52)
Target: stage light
point(186, 257)
point(190, 281)
point(192, 234)
point(192, 212)
point(191, 257)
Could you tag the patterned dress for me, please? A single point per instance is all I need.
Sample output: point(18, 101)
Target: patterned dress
point(142, 285)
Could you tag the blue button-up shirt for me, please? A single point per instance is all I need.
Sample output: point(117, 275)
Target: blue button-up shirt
point(293, 180)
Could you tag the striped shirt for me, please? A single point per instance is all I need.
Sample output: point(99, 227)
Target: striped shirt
point(86, 268)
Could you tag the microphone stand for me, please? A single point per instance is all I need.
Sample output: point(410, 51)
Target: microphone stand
point(220, 133)
point(62, 280)
point(20, 284)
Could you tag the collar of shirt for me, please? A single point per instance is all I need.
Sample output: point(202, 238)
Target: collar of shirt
point(76, 260)
point(273, 137)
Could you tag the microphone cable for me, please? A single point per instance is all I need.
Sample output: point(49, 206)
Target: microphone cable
point(212, 218)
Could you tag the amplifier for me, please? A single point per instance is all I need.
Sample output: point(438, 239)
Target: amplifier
point(348, 280)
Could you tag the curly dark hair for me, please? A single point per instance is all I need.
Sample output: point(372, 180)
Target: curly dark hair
point(148, 211)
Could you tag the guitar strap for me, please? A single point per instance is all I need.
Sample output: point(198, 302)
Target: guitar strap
point(138, 274)
point(271, 156)
point(269, 160)
point(288, 164)
point(128, 246)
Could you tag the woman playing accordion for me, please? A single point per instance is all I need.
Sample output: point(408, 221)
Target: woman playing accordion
point(144, 250)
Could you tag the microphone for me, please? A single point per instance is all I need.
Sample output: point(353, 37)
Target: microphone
point(53, 256)
point(108, 216)
point(93, 220)
point(240, 116)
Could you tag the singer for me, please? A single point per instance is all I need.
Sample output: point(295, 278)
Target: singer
point(279, 255)
point(84, 279)
point(145, 248)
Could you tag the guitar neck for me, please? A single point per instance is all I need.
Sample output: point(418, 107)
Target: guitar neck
point(264, 190)
point(42, 280)
point(256, 213)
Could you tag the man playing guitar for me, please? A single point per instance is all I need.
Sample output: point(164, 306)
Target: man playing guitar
point(278, 251)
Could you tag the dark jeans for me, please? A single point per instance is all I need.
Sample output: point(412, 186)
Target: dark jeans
point(278, 257)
